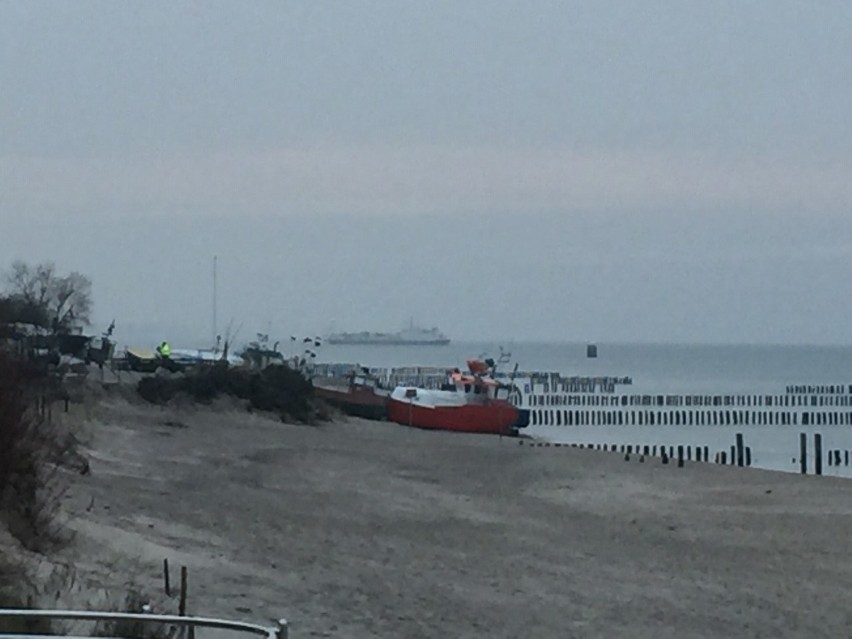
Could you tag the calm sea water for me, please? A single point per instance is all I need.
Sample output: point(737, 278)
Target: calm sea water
point(658, 368)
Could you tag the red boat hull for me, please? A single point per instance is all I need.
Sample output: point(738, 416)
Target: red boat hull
point(498, 417)
point(361, 402)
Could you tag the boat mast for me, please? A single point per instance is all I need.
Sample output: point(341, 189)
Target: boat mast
point(215, 259)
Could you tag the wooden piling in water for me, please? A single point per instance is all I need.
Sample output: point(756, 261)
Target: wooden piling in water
point(740, 460)
point(818, 453)
point(680, 456)
point(803, 453)
point(748, 456)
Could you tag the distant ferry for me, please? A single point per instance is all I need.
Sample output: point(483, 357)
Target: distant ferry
point(409, 336)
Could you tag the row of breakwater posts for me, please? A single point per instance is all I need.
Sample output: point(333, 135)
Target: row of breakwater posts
point(676, 417)
point(737, 455)
point(833, 457)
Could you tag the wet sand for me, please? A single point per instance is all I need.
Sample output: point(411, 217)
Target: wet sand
point(366, 529)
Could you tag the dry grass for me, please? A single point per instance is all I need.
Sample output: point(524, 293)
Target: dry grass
point(30, 450)
point(134, 601)
point(34, 452)
point(18, 590)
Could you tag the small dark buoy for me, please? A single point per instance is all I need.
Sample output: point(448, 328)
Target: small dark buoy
point(591, 350)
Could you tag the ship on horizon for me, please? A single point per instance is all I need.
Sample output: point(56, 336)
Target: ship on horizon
point(411, 336)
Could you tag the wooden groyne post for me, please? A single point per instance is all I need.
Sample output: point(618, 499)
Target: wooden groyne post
point(740, 451)
point(817, 454)
point(803, 453)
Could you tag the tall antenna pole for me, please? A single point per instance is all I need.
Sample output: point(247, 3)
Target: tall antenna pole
point(215, 258)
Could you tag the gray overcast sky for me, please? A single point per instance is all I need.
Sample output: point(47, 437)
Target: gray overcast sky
point(630, 171)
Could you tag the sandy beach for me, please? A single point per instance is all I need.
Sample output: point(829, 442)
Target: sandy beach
point(366, 529)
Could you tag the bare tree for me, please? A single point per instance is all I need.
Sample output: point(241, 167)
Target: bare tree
point(65, 300)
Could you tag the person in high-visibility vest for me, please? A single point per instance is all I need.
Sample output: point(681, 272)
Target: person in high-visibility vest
point(164, 350)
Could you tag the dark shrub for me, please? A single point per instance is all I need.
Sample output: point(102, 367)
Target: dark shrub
point(15, 309)
point(156, 390)
point(277, 389)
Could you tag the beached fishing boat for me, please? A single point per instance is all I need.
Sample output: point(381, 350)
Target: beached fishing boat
point(357, 394)
point(472, 402)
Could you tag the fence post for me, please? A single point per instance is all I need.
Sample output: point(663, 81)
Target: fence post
point(167, 583)
point(182, 603)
